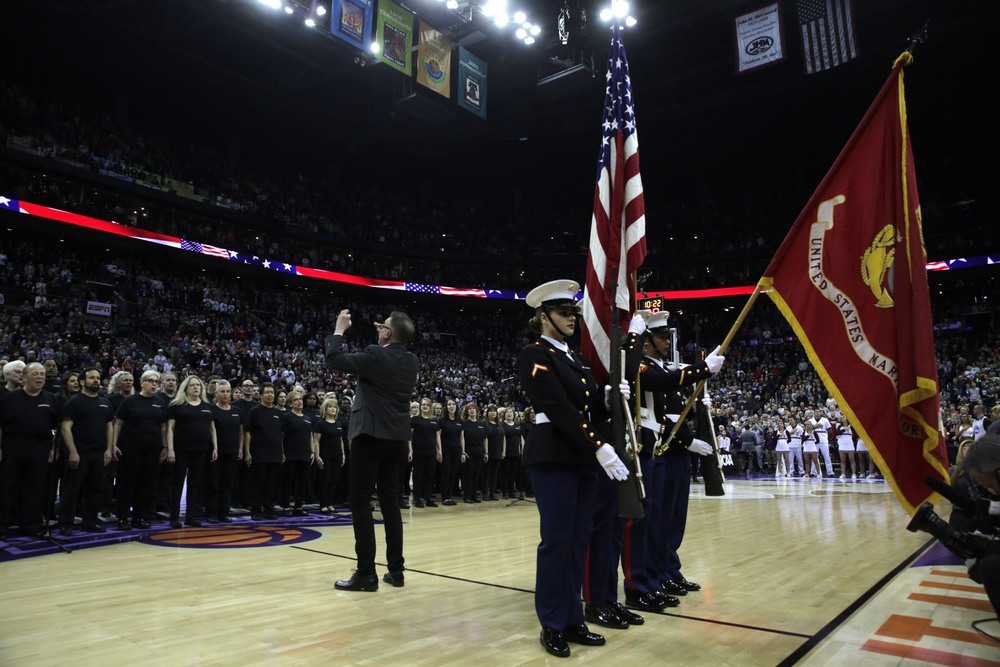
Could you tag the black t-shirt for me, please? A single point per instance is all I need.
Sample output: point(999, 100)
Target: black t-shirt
point(331, 438)
point(475, 436)
point(116, 401)
point(424, 436)
point(298, 436)
point(512, 433)
point(192, 426)
point(494, 440)
point(141, 418)
point(451, 433)
point(90, 416)
point(264, 427)
point(244, 407)
point(28, 420)
point(228, 432)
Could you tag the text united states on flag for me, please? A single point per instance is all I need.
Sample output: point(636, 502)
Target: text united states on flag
point(618, 226)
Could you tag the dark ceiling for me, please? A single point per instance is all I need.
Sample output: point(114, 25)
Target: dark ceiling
point(232, 72)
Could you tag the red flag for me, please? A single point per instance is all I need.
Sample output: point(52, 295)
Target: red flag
point(618, 226)
point(850, 279)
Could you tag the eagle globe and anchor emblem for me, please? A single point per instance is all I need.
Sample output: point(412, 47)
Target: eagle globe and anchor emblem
point(875, 264)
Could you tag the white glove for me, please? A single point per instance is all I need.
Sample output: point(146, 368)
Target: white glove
point(714, 361)
point(707, 401)
point(623, 388)
point(637, 325)
point(700, 447)
point(611, 463)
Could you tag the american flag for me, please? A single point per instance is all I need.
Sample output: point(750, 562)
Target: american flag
point(204, 249)
point(827, 28)
point(442, 289)
point(618, 227)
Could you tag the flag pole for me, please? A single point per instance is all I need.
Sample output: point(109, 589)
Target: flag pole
point(701, 385)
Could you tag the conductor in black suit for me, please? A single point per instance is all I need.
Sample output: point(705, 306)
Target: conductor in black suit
point(379, 431)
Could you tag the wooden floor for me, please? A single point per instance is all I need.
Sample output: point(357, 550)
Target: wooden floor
point(780, 561)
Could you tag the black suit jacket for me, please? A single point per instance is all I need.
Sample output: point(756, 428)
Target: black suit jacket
point(386, 379)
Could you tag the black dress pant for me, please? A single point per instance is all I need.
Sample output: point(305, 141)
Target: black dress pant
point(473, 472)
point(375, 465)
point(423, 476)
point(512, 476)
point(85, 481)
point(190, 464)
point(138, 468)
point(327, 484)
point(451, 459)
point(296, 481)
point(23, 473)
point(219, 490)
point(266, 477)
point(490, 477)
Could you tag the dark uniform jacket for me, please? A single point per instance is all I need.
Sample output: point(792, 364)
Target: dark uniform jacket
point(564, 390)
point(386, 379)
point(662, 386)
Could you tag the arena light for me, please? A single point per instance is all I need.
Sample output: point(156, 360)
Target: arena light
point(535, 30)
point(288, 10)
point(320, 10)
point(606, 14)
point(630, 21)
point(310, 23)
point(520, 17)
point(501, 20)
point(521, 33)
point(452, 4)
point(273, 4)
point(375, 48)
point(619, 9)
point(529, 40)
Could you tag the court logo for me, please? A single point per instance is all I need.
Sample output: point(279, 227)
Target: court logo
point(230, 538)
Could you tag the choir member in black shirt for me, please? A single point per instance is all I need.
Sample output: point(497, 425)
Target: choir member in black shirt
point(140, 438)
point(474, 439)
point(191, 444)
point(87, 433)
point(299, 450)
point(28, 416)
point(452, 450)
point(425, 449)
point(494, 452)
point(511, 472)
point(221, 471)
point(262, 452)
point(330, 432)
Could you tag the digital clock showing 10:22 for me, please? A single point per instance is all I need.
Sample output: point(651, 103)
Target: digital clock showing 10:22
point(654, 304)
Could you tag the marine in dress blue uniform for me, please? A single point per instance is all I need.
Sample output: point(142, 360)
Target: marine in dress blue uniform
point(669, 485)
point(563, 456)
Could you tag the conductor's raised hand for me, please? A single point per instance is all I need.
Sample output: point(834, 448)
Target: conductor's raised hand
point(343, 321)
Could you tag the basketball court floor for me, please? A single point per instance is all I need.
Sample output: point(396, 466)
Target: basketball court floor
point(795, 572)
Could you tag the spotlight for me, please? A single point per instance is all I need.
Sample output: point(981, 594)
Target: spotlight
point(375, 48)
point(529, 40)
point(521, 33)
point(630, 21)
point(288, 10)
point(520, 17)
point(310, 23)
point(501, 19)
point(273, 4)
point(606, 14)
point(452, 4)
point(620, 8)
point(320, 10)
point(535, 30)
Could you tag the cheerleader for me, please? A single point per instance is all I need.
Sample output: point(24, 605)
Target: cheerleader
point(781, 450)
point(810, 452)
point(794, 433)
point(845, 445)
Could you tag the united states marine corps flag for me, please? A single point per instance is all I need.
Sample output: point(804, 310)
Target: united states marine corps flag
point(850, 280)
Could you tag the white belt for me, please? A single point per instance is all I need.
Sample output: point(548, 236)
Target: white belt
point(541, 418)
point(655, 426)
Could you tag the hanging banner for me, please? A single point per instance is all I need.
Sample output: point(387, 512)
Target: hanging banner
point(394, 35)
point(434, 61)
point(352, 22)
point(471, 83)
point(758, 38)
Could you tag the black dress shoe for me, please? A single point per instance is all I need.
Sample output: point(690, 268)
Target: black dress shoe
point(225, 519)
point(66, 531)
point(431, 503)
point(419, 504)
point(468, 500)
point(668, 600)
point(554, 642)
point(124, 524)
point(367, 583)
point(604, 616)
point(298, 511)
point(394, 578)
point(140, 523)
point(193, 523)
point(626, 615)
point(449, 502)
point(93, 528)
point(581, 634)
point(673, 588)
point(644, 601)
point(688, 585)
point(403, 505)
point(175, 523)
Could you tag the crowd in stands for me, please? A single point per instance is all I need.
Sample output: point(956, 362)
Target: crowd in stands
point(304, 219)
